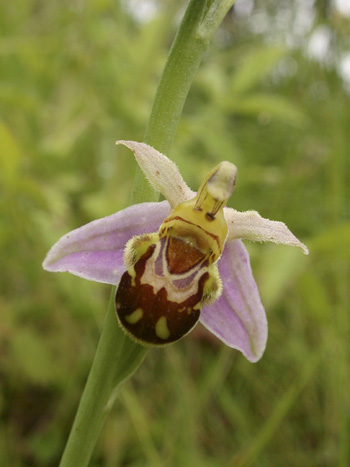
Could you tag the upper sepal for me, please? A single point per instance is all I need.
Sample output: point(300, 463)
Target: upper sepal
point(161, 172)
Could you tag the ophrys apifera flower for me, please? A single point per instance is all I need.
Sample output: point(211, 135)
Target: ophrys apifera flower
point(177, 261)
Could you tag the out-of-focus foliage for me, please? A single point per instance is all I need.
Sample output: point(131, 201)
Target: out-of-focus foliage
point(273, 96)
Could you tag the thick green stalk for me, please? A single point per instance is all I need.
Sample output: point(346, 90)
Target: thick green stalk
point(181, 66)
point(182, 63)
point(201, 20)
point(117, 357)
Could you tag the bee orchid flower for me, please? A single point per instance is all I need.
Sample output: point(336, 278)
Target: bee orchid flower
point(178, 261)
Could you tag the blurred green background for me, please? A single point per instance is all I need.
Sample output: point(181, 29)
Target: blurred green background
point(273, 96)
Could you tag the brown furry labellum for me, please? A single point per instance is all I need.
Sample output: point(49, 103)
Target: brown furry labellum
point(171, 274)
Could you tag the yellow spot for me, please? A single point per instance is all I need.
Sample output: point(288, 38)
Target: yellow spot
point(162, 330)
point(132, 274)
point(135, 316)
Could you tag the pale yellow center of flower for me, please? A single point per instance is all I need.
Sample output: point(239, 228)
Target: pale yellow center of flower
point(200, 221)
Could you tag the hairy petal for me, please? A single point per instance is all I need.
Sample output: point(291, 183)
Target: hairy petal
point(95, 251)
point(250, 225)
point(161, 172)
point(238, 316)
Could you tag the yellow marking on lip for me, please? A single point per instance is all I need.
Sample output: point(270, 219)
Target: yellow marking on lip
point(132, 274)
point(135, 316)
point(162, 330)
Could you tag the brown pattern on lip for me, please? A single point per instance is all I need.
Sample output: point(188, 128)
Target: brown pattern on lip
point(136, 296)
point(181, 256)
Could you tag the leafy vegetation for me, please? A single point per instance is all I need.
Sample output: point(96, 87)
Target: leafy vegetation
point(74, 77)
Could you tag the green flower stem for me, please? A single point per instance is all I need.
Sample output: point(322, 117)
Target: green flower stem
point(201, 20)
point(117, 357)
